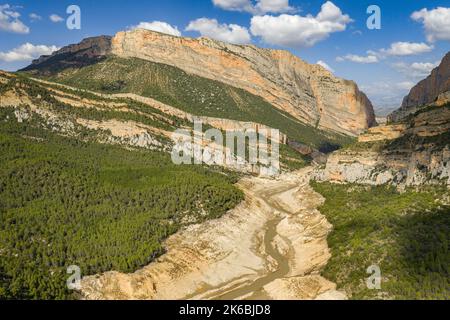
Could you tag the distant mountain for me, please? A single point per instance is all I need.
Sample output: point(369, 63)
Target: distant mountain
point(413, 148)
point(307, 93)
point(88, 51)
point(435, 89)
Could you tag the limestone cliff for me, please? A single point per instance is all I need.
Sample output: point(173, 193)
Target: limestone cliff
point(308, 92)
point(435, 89)
point(415, 152)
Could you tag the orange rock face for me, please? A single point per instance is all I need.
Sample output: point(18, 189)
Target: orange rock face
point(428, 90)
point(308, 92)
point(434, 90)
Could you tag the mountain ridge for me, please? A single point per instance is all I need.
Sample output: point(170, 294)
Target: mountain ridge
point(308, 92)
point(88, 51)
point(435, 89)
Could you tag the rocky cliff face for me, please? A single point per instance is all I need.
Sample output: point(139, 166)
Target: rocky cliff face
point(88, 51)
point(308, 92)
point(435, 89)
point(413, 153)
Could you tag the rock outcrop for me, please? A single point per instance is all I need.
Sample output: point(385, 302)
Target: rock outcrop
point(413, 153)
point(308, 92)
point(435, 89)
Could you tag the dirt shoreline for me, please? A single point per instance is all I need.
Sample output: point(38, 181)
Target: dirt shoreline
point(271, 246)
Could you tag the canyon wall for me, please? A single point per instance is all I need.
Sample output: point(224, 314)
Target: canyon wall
point(435, 89)
point(406, 154)
point(308, 92)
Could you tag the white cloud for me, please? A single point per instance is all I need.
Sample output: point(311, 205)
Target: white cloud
point(416, 70)
point(436, 23)
point(255, 7)
point(396, 49)
point(35, 17)
point(234, 5)
point(211, 28)
point(275, 6)
point(159, 26)
point(407, 49)
point(55, 18)
point(405, 85)
point(26, 52)
point(300, 31)
point(325, 65)
point(9, 20)
point(370, 58)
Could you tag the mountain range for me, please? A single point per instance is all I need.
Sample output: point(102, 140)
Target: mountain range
point(87, 177)
point(308, 93)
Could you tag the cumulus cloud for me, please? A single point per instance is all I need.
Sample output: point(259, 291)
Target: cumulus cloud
point(370, 58)
point(55, 18)
point(325, 65)
point(396, 49)
point(407, 49)
point(255, 7)
point(26, 52)
point(35, 17)
point(415, 70)
point(436, 23)
point(300, 31)
point(234, 5)
point(211, 28)
point(275, 6)
point(9, 20)
point(159, 26)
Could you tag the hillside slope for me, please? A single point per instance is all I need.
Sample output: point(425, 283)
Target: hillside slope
point(87, 180)
point(435, 89)
point(388, 198)
point(308, 93)
point(414, 152)
point(196, 95)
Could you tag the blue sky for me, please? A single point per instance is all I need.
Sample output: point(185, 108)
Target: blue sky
point(385, 63)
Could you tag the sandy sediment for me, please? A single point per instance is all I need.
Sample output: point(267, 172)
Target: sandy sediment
point(271, 246)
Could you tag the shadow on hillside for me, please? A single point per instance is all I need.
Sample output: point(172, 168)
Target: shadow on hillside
point(424, 240)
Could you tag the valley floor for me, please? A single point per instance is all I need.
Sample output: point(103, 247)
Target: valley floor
point(271, 246)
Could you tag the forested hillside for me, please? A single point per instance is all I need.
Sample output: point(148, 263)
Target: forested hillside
point(406, 234)
point(68, 202)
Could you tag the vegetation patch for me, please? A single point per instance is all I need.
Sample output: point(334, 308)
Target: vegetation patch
point(406, 234)
point(67, 202)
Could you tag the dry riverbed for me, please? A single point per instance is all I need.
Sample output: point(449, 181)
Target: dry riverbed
point(271, 246)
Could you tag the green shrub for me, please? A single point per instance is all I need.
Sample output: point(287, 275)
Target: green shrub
point(406, 234)
point(101, 207)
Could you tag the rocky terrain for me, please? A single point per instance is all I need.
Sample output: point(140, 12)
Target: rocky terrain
point(415, 152)
point(88, 51)
point(272, 246)
point(128, 120)
point(307, 92)
point(114, 130)
point(413, 148)
point(435, 89)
